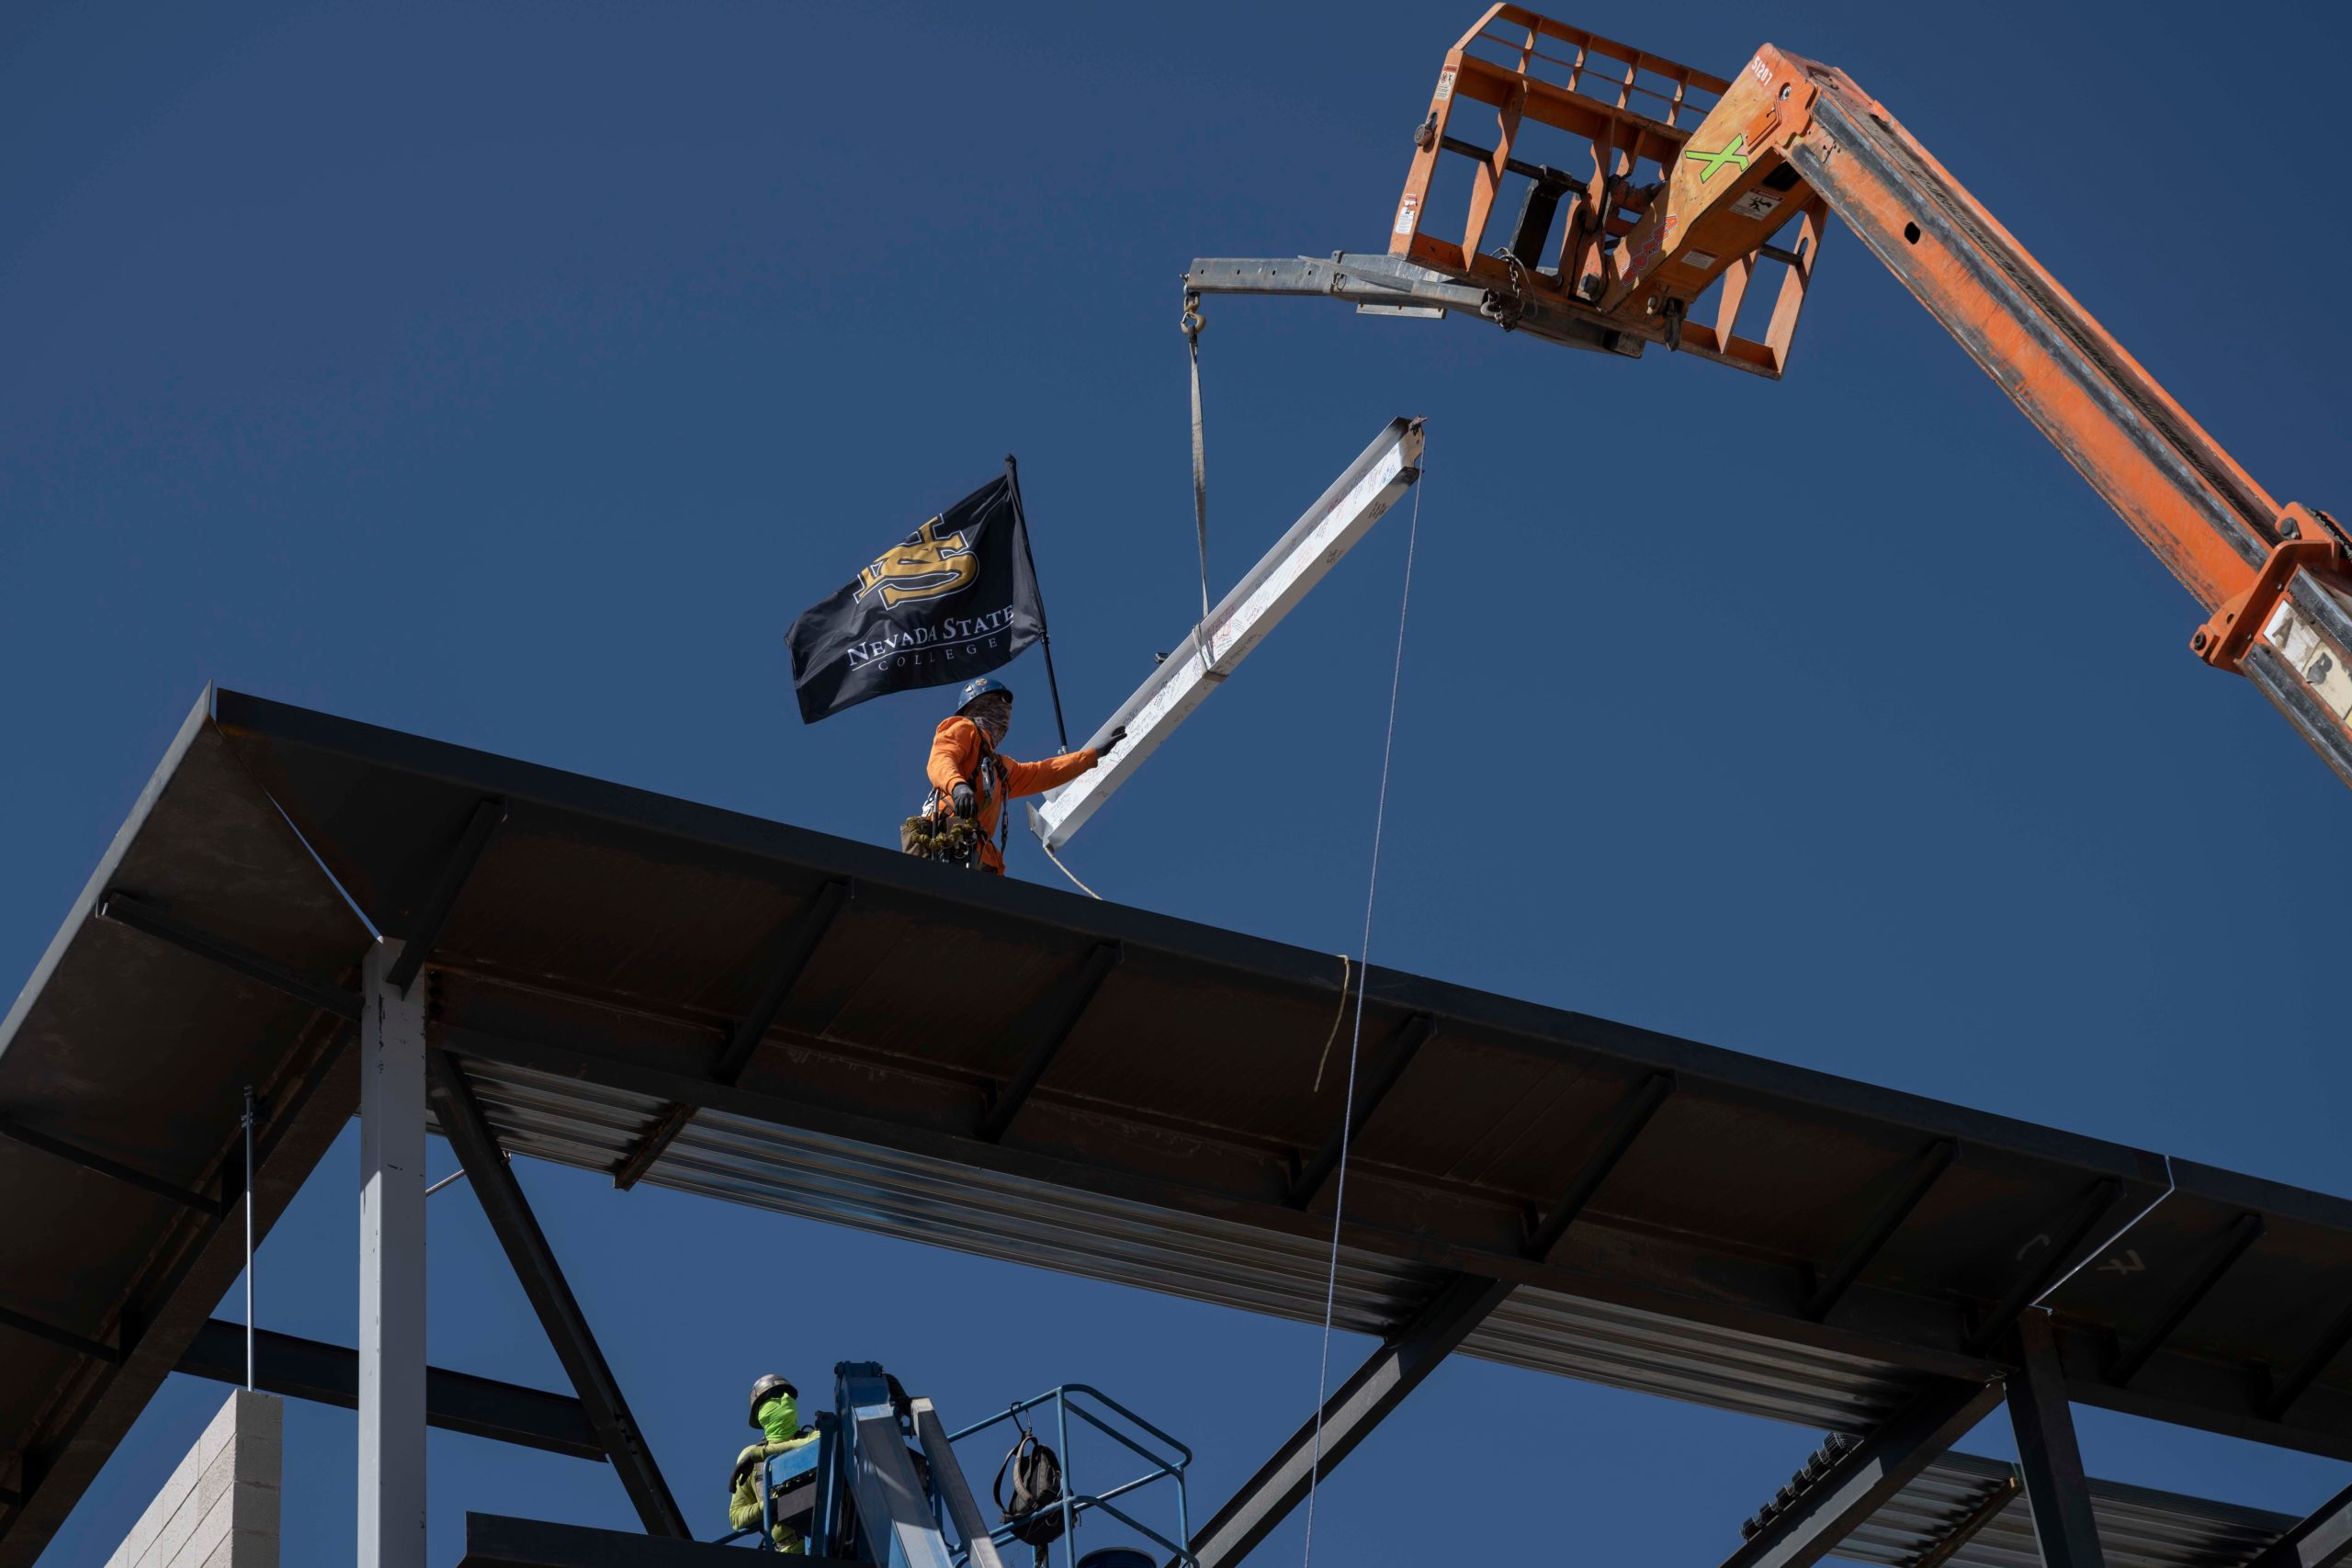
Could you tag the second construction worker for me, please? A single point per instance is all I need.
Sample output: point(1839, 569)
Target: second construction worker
point(775, 1410)
point(970, 779)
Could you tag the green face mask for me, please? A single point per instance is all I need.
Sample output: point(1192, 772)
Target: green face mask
point(780, 1419)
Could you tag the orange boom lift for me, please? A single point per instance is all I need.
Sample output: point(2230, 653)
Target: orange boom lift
point(1690, 184)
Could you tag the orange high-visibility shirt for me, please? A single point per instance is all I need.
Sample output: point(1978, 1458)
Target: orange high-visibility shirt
point(956, 747)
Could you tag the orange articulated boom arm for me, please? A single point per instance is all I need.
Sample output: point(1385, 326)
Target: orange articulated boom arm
point(1672, 192)
point(2272, 580)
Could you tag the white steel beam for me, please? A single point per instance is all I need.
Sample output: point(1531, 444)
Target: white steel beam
point(1329, 529)
point(391, 1268)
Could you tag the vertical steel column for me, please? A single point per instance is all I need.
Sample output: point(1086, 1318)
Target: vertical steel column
point(2049, 1458)
point(392, 1269)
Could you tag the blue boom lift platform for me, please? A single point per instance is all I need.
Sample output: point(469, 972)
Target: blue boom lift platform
point(882, 1484)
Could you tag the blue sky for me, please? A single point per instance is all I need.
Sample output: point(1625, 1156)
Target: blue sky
point(513, 374)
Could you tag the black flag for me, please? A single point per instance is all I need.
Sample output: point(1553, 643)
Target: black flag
point(954, 599)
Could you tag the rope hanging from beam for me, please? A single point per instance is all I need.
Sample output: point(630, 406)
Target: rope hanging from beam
point(1356, 1035)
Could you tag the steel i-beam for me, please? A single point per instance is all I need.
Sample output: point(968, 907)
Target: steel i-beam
point(2323, 1540)
point(1213, 650)
point(517, 1229)
point(1864, 1478)
point(390, 1516)
point(294, 1367)
point(2049, 1457)
point(1377, 1387)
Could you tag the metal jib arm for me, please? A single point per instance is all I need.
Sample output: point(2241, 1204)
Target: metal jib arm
point(1644, 199)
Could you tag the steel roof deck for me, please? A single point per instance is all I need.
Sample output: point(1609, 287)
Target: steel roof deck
point(1014, 1071)
point(2137, 1528)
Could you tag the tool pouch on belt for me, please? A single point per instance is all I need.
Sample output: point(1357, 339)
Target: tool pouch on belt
point(937, 833)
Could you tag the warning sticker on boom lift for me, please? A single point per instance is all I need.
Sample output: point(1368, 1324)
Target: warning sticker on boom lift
point(1758, 203)
point(1406, 211)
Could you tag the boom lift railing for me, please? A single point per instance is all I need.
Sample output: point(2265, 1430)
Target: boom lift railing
point(883, 1482)
point(1073, 1400)
point(1690, 185)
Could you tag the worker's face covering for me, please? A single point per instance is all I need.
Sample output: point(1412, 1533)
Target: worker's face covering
point(779, 1418)
point(954, 599)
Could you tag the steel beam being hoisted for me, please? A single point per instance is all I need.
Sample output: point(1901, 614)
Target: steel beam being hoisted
point(1343, 514)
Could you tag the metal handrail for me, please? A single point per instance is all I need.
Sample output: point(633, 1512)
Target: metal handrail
point(1073, 1502)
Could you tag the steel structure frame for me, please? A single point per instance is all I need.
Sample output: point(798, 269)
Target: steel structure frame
point(1474, 1288)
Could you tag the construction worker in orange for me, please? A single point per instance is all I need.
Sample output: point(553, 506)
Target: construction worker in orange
point(962, 819)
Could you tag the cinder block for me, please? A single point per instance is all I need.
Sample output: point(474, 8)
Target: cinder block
point(174, 1533)
point(212, 1528)
point(213, 1486)
point(254, 1549)
point(219, 1508)
point(220, 1432)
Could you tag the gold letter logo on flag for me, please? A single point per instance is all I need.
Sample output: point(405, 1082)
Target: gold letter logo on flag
point(926, 566)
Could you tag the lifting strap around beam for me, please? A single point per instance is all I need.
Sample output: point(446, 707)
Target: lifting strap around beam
point(469, 1131)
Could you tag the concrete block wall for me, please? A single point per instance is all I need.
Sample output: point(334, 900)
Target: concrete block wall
point(218, 1509)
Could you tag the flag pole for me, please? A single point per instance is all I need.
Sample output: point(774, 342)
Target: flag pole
point(1045, 635)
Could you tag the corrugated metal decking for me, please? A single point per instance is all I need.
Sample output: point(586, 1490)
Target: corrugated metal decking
point(2138, 1527)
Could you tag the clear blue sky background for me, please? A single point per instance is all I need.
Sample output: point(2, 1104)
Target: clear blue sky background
point(512, 373)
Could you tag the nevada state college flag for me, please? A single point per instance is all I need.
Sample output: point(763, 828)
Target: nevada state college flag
point(953, 599)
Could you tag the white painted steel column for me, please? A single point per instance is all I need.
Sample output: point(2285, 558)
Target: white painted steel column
point(392, 1269)
point(1284, 575)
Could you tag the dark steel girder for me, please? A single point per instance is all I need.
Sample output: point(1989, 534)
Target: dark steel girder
point(1625, 1123)
point(1315, 1174)
point(468, 1133)
point(125, 910)
point(787, 954)
point(2306, 1372)
point(2243, 1232)
point(1916, 1182)
point(455, 1401)
point(2051, 1258)
point(1995, 1504)
point(1047, 1027)
point(426, 930)
point(495, 1541)
point(80, 1344)
point(2049, 1457)
point(1408, 1357)
point(1358, 1404)
point(113, 1170)
point(2323, 1540)
point(1866, 1477)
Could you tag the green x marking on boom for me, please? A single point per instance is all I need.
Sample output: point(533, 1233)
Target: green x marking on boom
point(1732, 153)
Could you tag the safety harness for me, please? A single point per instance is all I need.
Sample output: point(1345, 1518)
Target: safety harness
point(1033, 1510)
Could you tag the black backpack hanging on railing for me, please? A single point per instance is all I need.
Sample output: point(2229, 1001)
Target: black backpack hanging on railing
point(1033, 1510)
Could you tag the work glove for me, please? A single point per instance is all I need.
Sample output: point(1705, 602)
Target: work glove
point(1111, 741)
point(962, 795)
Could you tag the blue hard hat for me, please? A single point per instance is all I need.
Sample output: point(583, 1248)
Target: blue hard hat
point(977, 687)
